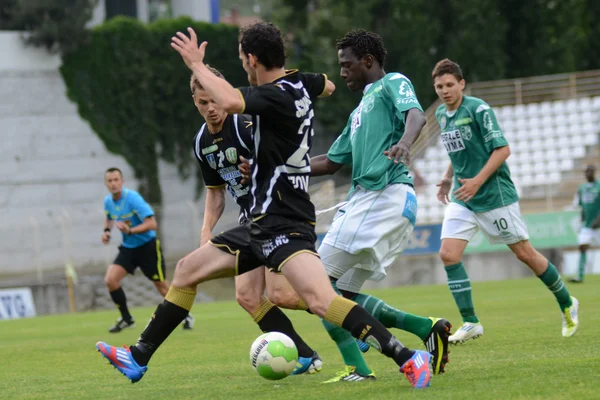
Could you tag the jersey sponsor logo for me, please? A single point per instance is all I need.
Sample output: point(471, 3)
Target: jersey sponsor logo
point(492, 136)
point(405, 90)
point(229, 173)
point(299, 181)
point(210, 158)
point(209, 149)
point(407, 101)
point(231, 154)
point(443, 122)
point(465, 132)
point(303, 105)
point(271, 244)
point(463, 121)
point(488, 121)
point(453, 141)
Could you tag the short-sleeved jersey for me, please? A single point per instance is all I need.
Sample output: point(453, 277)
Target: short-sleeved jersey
point(132, 209)
point(373, 127)
point(219, 155)
point(282, 113)
point(470, 134)
point(588, 196)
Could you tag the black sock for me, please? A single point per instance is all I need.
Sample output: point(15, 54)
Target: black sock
point(119, 298)
point(164, 320)
point(276, 321)
point(365, 327)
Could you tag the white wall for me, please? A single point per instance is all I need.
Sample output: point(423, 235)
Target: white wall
point(52, 170)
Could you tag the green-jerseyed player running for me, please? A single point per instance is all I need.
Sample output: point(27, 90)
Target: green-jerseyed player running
point(484, 198)
point(588, 198)
point(372, 228)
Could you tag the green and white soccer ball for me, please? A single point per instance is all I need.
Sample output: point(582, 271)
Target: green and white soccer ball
point(273, 355)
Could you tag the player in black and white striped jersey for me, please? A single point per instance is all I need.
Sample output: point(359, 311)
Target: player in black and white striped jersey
point(219, 144)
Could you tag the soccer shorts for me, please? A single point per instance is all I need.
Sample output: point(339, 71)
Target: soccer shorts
point(271, 241)
point(374, 227)
point(588, 236)
point(503, 225)
point(148, 257)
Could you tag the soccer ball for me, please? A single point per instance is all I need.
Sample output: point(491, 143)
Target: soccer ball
point(273, 355)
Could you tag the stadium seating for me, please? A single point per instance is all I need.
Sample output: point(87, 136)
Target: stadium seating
point(547, 140)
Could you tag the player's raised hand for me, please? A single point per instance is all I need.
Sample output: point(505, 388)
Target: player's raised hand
point(188, 47)
point(444, 190)
point(468, 189)
point(245, 169)
point(400, 152)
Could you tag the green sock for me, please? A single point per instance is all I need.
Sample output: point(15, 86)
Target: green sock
point(346, 343)
point(553, 281)
point(582, 263)
point(460, 286)
point(392, 318)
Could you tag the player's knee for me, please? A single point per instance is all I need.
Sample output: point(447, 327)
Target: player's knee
point(283, 298)
point(525, 254)
point(248, 300)
point(182, 276)
point(111, 283)
point(449, 256)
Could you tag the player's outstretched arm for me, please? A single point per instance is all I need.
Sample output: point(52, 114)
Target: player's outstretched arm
point(321, 165)
point(213, 210)
point(219, 89)
point(415, 121)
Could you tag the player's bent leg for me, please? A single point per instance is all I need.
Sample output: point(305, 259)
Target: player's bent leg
point(249, 290)
point(549, 275)
point(281, 293)
point(203, 264)
point(114, 275)
point(307, 276)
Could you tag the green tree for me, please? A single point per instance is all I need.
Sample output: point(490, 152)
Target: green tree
point(134, 91)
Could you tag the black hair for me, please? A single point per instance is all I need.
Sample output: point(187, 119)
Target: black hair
point(114, 169)
point(264, 41)
point(363, 42)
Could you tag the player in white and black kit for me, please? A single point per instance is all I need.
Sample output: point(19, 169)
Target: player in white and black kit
point(282, 235)
point(218, 146)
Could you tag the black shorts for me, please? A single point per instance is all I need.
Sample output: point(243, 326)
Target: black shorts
point(148, 257)
point(270, 241)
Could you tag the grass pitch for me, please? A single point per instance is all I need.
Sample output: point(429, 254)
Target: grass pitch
point(522, 354)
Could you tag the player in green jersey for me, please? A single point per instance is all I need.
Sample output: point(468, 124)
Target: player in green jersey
point(372, 228)
point(588, 198)
point(484, 198)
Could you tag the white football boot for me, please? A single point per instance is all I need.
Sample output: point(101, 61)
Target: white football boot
point(468, 330)
point(570, 318)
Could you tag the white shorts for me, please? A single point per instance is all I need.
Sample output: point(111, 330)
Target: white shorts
point(588, 236)
point(503, 225)
point(374, 226)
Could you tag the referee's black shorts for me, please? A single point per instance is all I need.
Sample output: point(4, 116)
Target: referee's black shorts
point(148, 257)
